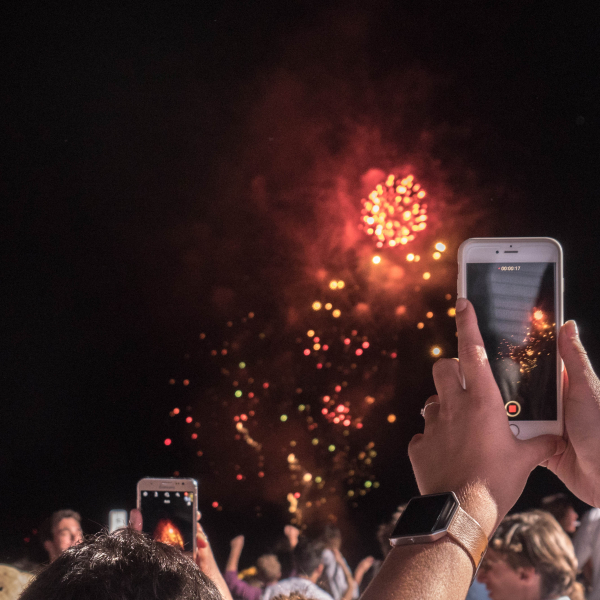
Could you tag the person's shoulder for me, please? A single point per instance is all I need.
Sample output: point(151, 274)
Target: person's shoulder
point(300, 585)
point(327, 556)
point(312, 590)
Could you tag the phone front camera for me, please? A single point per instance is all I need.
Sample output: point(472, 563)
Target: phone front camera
point(497, 251)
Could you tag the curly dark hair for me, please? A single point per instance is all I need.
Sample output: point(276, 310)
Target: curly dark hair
point(124, 565)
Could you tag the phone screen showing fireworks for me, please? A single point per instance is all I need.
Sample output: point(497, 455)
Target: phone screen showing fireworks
point(516, 310)
point(169, 517)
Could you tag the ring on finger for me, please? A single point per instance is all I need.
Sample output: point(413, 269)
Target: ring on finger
point(426, 407)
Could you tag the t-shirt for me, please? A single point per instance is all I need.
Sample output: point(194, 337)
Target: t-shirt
point(296, 584)
point(334, 574)
point(477, 591)
point(241, 590)
point(587, 546)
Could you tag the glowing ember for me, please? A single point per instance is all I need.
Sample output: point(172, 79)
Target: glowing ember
point(393, 213)
point(167, 532)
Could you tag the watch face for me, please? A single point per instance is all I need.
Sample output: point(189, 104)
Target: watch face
point(425, 515)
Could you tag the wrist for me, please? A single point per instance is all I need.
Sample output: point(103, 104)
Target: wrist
point(478, 503)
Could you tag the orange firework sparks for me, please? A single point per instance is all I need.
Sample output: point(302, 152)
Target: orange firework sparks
point(394, 213)
point(168, 533)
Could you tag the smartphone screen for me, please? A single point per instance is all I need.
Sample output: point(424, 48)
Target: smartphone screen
point(516, 309)
point(169, 517)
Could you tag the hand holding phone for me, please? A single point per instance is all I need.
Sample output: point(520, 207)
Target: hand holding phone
point(203, 557)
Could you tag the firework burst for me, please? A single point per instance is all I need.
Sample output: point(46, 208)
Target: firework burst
point(394, 212)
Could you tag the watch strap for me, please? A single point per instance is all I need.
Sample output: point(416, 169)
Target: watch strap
point(467, 532)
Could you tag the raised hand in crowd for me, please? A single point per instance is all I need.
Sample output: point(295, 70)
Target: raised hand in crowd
point(363, 566)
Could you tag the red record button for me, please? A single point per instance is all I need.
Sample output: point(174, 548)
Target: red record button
point(513, 408)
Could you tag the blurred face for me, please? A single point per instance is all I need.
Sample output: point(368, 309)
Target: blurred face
point(505, 583)
point(66, 533)
point(570, 521)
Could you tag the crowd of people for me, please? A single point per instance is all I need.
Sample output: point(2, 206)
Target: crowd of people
point(467, 448)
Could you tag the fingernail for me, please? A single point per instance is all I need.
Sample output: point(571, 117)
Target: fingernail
point(461, 304)
point(573, 330)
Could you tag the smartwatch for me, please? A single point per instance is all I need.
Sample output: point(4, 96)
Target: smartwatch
point(429, 518)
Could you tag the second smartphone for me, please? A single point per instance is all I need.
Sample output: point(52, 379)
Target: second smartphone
point(169, 510)
point(516, 288)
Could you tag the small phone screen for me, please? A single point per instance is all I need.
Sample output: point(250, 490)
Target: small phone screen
point(516, 311)
point(169, 517)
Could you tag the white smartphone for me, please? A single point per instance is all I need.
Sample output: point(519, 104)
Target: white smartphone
point(169, 510)
point(516, 287)
point(117, 519)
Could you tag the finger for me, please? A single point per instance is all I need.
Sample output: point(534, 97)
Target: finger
point(574, 355)
point(471, 350)
point(135, 520)
point(201, 539)
point(447, 378)
point(542, 448)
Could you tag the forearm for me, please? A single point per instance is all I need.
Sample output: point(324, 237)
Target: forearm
point(440, 569)
point(233, 560)
point(349, 593)
point(358, 575)
point(211, 570)
point(350, 583)
point(205, 559)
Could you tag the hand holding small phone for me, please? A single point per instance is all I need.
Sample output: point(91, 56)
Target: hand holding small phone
point(203, 557)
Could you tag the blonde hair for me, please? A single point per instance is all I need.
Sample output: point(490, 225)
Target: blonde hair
point(535, 539)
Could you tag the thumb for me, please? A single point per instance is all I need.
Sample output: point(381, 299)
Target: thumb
point(135, 520)
point(573, 354)
point(542, 448)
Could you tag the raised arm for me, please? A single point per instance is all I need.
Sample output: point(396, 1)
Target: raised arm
point(349, 593)
point(363, 566)
point(467, 448)
point(236, 545)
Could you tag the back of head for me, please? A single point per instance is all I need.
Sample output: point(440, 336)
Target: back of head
point(269, 568)
point(331, 536)
point(307, 556)
point(535, 539)
point(124, 565)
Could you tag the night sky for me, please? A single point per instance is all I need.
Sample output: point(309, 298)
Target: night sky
point(169, 168)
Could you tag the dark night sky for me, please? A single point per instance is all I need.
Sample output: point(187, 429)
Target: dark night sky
point(131, 135)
